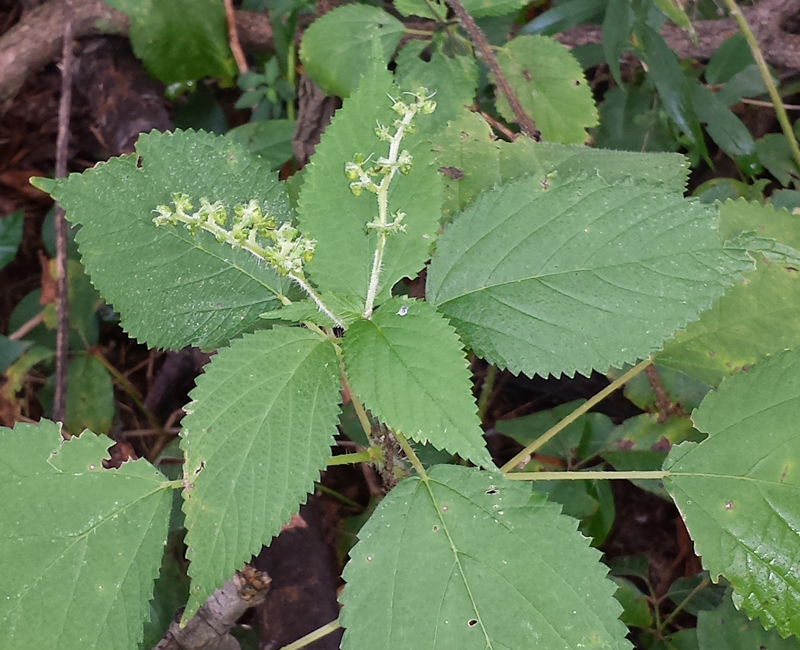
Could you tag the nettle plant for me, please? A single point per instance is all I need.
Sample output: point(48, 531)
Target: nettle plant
point(555, 259)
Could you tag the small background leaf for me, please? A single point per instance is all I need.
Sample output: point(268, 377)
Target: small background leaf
point(81, 543)
point(460, 563)
point(550, 85)
point(335, 47)
point(10, 236)
point(256, 437)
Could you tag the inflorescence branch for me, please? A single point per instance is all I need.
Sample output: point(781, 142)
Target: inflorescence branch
point(282, 247)
point(378, 177)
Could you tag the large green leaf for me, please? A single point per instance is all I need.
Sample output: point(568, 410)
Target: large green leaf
point(484, 8)
point(726, 629)
point(173, 289)
point(407, 366)
point(738, 489)
point(180, 40)
point(259, 431)
point(336, 47)
point(81, 545)
point(581, 275)
point(550, 86)
point(754, 318)
point(90, 396)
point(469, 560)
point(337, 220)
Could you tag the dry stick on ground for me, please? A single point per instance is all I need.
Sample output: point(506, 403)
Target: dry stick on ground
point(62, 144)
point(475, 33)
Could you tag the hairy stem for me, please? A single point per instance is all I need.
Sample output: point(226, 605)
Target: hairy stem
point(351, 459)
point(583, 408)
point(317, 300)
point(777, 102)
point(475, 33)
point(408, 450)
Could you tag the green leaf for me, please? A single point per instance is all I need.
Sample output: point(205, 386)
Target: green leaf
point(550, 86)
point(775, 154)
point(726, 629)
point(563, 16)
point(10, 236)
point(636, 608)
point(460, 560)
point(484, 8)
point(337, 219)
point(737, 490)
point(682, 390)
point(81, 543)
point(630, 121)
point(335, 48)
point(672, 85)
point(407, 366)
point(675, 12)
point(180, 40)
point(753, 319)
point(580, 276)
point(696, 593)
point(10, 351)
point(348, 308)
point(90, 396)
point(731, 58)
point(468, 159)
point(173, 289)
point(455, 80)
point(722, 125)
point(272, 140)
point(617, 28)
point(433, 9)
point(259, 431)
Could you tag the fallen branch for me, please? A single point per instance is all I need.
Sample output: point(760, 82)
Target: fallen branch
point(209, 629)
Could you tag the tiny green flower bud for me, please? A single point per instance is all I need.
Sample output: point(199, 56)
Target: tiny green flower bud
point(183, 203)
point(383, 133)
point(428, 107)
point(352, 170)
point(356, 188)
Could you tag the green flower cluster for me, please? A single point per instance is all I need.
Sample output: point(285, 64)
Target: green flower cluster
point(282, 247)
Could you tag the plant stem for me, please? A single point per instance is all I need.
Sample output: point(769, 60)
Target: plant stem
point(411, 455)
point(683, 603)
point(313, 636)
point(777, 102)
point(337, 495)
point(351, 459)
point(583, 408)
point(317, 300)
point(361, 413)
point(475, 33)
point(587, 476)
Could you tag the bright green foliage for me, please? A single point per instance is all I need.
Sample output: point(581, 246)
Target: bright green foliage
point(753, 319)
point(256, 437)
point(335, 48)
point(338, 219)
point(10, 236)
point(726, 629)
point(348, 308)
point(90, 396)
point(81, 544)
point(737, 490)
point(407, 366)
point(550, 85)
point(462, 560)
point(595, 275)
point(170, 287)
point(180, 40)
point(455, 80)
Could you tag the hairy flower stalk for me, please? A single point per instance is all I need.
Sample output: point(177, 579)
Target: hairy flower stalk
point(282, 247)
point(385, 169)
